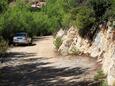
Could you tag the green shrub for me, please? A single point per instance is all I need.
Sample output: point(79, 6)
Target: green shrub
point(3, 5)
point(75, 51)
point(3, 46)
point(22, 20)
point(85, 18)
point(99, 7)
point(57, 42)
point(99, 75)
point(103, 83)
point(16, 20)
point(110, 13)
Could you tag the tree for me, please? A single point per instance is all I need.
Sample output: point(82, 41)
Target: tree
point(85, 18)
point(100, 7)
point(110, 13)
point(3, 5)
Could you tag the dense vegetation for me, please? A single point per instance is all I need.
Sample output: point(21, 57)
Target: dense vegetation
point(56, 14)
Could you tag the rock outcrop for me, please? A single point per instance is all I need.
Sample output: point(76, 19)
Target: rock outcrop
point(102, 47)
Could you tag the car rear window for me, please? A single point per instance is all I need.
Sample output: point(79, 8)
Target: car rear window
point(20, 34)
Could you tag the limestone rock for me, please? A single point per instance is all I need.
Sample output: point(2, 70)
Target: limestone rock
point(67, 41)
point(111, 69)
point(60, 33)
point(102, 47)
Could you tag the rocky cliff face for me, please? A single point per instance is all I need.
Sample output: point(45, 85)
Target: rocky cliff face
point(102, 47)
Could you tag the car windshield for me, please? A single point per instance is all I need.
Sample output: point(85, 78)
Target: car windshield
point(20, 34)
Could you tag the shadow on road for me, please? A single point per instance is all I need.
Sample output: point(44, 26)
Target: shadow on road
point(28, 69)
point(14, 56)
point(34, 74)
point(25, 45)
point(41, 38)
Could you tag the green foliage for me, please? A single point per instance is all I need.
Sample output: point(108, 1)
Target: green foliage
point(41, 24)
point(56, 11)
point(85, 18)
point(100, 7)
point(100, 75)
point(55, 15)
point(104, 83)
point(110, 13)
point(3, 46)
point(75, 51)
point(16, 20)
point(57, 42)
point(3, 5)
point(20, 19)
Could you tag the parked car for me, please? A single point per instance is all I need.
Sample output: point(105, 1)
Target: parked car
point(22, 38)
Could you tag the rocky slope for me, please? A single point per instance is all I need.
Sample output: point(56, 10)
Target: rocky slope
point(102, 47)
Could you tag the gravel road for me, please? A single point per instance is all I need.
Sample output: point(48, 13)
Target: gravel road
point(40, 65)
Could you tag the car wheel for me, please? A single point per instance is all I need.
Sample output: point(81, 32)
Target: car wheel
point(30, 42)
point(14, 44)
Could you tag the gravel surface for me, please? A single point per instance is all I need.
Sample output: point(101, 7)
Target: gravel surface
point(40, 65)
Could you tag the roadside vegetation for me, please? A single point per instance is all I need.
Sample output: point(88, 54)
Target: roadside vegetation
point(57, 42)
point(3, 46)
point(100, 77)
point(56, 14)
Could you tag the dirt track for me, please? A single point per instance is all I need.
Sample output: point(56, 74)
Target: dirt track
point(40, 65)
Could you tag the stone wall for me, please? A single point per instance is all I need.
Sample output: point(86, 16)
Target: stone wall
point(102, 47)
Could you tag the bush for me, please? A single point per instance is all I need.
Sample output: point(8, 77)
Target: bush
point(99, 7)
point(3, 5)
point(3, 46)
point(75, 51)
point(85, 18)
point(16, 20)
point(100, 75)
point(57, 42)
point(110, 13)
point(104, 83)
point(22, 20)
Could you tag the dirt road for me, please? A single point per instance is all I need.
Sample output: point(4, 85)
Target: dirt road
point(40, 65)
